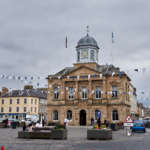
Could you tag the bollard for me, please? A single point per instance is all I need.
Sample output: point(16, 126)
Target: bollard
point(2, 147)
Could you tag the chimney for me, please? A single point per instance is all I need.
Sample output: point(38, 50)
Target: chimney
point(4, 90)
point(28, 87)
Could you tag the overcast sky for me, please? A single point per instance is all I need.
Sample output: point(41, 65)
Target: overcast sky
point(32, 36)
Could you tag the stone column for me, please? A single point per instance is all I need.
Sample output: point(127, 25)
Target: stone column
point(50, 92)
point(90, 90)
point(77, 90)
point(104, 88)
point(63, 90)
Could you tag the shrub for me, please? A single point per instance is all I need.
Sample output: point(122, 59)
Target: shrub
point(53, 123)
point(101, 127)
point(60, 126)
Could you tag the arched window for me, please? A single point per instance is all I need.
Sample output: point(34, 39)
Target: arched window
point(92, 55)
point(55, 115)
point(56, 93)
point(98, 93)
point(115, 115)
point(78, 56)
point(97, 114)
point(69, 115)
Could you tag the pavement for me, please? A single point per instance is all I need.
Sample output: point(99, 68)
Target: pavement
point(76, 141)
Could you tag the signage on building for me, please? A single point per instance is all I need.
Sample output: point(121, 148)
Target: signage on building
point(128, 122)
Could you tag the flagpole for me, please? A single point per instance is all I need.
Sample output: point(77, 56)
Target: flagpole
point(112, 41)
point(66, 42)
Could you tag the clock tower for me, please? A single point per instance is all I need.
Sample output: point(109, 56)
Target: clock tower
point(87, 50)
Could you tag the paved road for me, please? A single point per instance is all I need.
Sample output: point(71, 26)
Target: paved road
point(76, 141)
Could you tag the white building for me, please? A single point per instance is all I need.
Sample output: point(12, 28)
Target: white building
point(133, 100)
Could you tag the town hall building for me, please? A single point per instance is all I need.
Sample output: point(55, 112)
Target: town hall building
point(88, 90)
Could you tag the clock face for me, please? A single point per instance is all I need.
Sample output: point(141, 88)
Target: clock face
point(84, 54)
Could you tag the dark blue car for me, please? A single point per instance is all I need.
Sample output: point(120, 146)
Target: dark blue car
point(138, 126)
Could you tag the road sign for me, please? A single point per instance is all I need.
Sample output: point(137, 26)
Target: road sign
point(128, 122)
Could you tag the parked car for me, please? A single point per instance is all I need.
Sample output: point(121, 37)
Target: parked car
point(138, 125)
point(146, 123)
point(13, 122)
point(1, 119)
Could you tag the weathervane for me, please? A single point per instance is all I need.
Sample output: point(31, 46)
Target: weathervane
point(87, 30)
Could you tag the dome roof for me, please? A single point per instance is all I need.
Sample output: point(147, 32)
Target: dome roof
point(87, 41)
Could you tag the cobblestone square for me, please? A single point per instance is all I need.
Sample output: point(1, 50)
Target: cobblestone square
point(76, 141)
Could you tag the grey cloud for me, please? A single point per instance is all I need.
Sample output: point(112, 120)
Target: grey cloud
point(32, 34)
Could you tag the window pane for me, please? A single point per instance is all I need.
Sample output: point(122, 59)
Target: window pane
point(25, 109)
point(55, 115)
point(25, 101)
point(56, 93)
point(98, 92)
point(2, 109)
point(92, 55)
point(2, 101)
point(114, 91)
point(9, 109)
point(71, 93)
point(78, 59)
point(17, 109)
point(17, 101)
point(10, 101)
point(115, 115)
point(84, 93)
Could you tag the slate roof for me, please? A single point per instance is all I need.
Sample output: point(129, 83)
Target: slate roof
point(108, 69)
point(64, 71)
point(104, 69)
point(27, 93)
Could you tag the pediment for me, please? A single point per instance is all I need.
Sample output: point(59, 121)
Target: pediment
point(82, 70)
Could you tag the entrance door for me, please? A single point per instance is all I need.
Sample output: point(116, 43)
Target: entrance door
point(82, 117)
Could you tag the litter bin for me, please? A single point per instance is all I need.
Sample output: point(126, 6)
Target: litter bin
point(13, 125)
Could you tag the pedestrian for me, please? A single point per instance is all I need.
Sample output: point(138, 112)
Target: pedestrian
point(99, 122)
point(66, 122)
point(30, 127)
point(38, 125)
point(24, 126)
point(106, 123)
point(92, 121)
point(43, 123)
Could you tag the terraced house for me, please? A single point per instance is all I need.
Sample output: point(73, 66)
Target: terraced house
point(88, 90)
point(19, 103)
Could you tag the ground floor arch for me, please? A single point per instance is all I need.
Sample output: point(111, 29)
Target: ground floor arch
point(82, 117)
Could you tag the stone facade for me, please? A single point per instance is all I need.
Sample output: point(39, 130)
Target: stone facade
point(78, 78)
point(88, 90)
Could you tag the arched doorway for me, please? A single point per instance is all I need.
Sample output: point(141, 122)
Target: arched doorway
point(82, 117)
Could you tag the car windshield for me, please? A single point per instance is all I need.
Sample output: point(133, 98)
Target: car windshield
point(138, 124)
point(138, 121)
